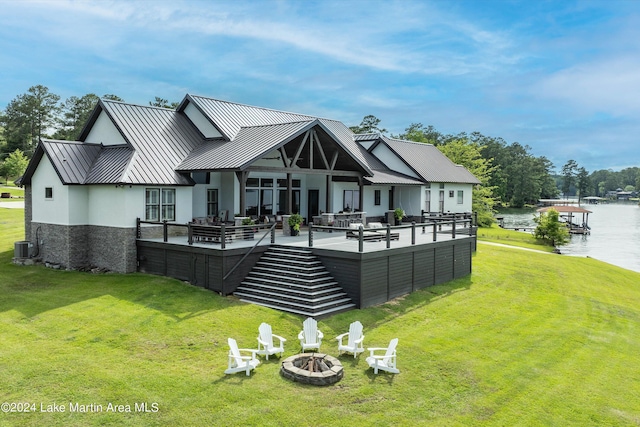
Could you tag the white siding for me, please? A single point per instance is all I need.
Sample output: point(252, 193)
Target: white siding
point(366, 144)
point(392, 161)
point(369, 200)
point(451, 203)
point(201, 122)
point(104, 132)
point(199, 203)
point(55, 210)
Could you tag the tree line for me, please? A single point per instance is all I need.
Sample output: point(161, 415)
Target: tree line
point(511, 175)
point(40, 113)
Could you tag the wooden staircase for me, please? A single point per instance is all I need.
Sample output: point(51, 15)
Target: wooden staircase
point(293, 280)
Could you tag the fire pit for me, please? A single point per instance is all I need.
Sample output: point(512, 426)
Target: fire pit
point(312, 368)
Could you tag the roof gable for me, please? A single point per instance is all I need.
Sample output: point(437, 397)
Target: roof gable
point(160, 139)
point(429, 163)
point(230, 117)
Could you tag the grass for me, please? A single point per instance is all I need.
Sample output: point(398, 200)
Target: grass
point(527, 339)
point(522, 239)
point(17, 193)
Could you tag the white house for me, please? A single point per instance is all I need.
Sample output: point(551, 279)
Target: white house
point(208, 156)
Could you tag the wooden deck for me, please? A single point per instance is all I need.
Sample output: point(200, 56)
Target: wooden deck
point(370, 272)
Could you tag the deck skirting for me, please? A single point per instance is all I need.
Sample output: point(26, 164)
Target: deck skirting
point(369, 278)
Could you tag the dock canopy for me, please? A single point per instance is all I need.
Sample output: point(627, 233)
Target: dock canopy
point(569, 213)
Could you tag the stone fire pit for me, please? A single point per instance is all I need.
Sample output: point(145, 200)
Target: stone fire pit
point(312, 368)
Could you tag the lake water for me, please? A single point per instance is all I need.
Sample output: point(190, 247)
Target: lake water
point(614, 238)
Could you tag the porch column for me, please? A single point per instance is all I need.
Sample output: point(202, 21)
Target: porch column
point(361, 186)
point(329, 194)
point(242, 178)
point(289, 193)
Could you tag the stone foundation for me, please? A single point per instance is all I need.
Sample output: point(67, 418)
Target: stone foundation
point(80, 247)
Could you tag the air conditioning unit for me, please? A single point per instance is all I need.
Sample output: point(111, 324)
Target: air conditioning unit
point(21, 249)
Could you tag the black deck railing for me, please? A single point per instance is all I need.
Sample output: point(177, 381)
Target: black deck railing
point(224, 234)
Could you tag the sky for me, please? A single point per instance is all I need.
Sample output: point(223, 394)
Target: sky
point(562, 77)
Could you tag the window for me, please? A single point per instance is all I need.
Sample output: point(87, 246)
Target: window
point(168, 204)
point(212, 202)
point(160, 204)
point(259, 196)
point(282, 183)
point(451, 193)
point(351, 200)
point(460, 197)
point(376, 197)
point(427, 197)
point(48, 193)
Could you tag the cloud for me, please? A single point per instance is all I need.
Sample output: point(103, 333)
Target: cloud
point(610, 86)
point(405, 37)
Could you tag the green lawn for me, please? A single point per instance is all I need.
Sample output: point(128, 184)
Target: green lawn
point(513, 238)
point(528, 339)
point(17, 193)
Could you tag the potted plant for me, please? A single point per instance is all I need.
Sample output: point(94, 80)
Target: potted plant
point(247, 233)
point(294, 222)
point(399, 214)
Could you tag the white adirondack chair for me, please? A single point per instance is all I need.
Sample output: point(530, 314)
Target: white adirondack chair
point(239, 363)
point(386, 362)
point(355, 340)
point(310, 337)
point(265, 341)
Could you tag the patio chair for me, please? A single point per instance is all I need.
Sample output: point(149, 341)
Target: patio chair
point(265, 341)
point(310, 337)
point(386, 362)
point(355, 340)
point(239, 363)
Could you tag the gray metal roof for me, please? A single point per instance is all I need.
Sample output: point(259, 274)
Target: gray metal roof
point(249, 127)
point(71, 160)
point(429, 162)
point(161, 143)
point(110, 166)
point(366, 137)
point(161, 139)
point(389, 177)
point(249, 144)
point(230, 117)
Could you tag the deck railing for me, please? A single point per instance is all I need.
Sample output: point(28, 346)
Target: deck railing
point(387, 234)
point(223, 234)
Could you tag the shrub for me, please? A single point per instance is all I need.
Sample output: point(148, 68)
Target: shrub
point(550, 228)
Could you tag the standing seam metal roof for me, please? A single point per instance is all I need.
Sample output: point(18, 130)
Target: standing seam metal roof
point(429, 162)
point(250, 143)
point(161, 138)
point(71, 160)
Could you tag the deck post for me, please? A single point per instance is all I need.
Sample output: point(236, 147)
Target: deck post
point(273, 235)
point(310, 235)
point(165, 231)
point(189, 234)
point(435, 231)
point(453, 228)
point(138, 229)
point(413, 232)
point(223, 235)
point(360, 238)
point(388, 235)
